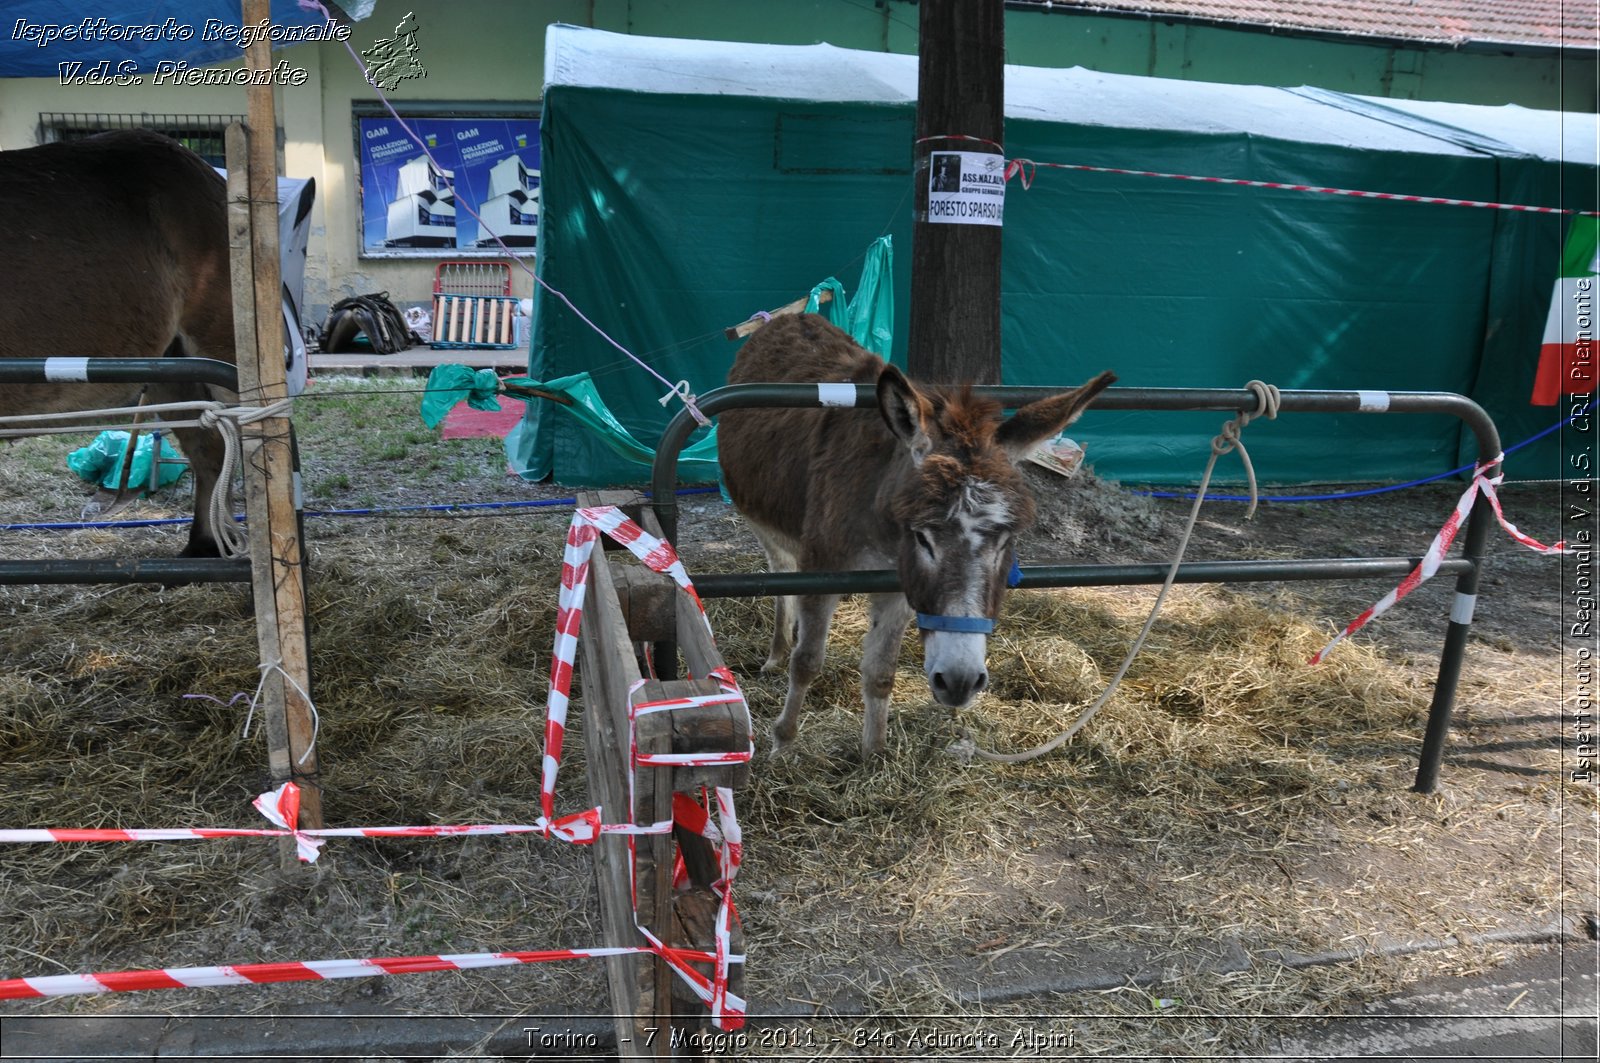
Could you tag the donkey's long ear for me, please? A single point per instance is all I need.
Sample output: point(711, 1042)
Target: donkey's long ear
point(906, 410)
point(1040, 420)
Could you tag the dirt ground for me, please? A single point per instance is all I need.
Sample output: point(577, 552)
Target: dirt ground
point(1234, 844)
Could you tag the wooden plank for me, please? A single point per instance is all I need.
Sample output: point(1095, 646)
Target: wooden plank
point(652, 803)
point(645, 991)
point(744, 328)
point(277, 558)
point(648, 601)
point(609, 671)
point(413, 358)
point(273, 449)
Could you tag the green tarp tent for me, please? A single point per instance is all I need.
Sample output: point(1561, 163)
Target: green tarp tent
point(688, 184)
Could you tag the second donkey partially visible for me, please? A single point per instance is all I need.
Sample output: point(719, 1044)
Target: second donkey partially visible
point(116, 246)
point(926, 485)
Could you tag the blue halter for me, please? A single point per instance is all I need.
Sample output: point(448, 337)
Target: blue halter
point(970, 624)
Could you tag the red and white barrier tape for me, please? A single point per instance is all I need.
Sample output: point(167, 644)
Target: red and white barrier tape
point(293, 971)
point(584, 532)
point(727, 1008)
point(1440, 546)
point(282, 807)
point(726, 837)
point(1023, 169)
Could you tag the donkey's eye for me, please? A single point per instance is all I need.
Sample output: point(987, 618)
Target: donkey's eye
point(925, 542)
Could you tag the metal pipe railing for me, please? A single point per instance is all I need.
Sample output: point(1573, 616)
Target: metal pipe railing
point(123, 371)
point(1468, 568)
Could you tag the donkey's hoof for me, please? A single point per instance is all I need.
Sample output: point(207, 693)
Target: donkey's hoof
point(773, 664)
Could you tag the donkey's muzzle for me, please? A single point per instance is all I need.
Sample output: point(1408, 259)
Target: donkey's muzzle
point(955, 689)
point(955, 664)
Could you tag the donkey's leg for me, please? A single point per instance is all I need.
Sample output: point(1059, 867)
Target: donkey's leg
point(203, 449)
point(779, 559)
point(816, 613)
point(890, 613)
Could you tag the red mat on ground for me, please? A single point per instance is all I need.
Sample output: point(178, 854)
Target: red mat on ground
point(464, 422)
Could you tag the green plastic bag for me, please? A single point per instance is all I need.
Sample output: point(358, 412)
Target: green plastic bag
point(450, 384)
point(101, 461)
point(869, 317)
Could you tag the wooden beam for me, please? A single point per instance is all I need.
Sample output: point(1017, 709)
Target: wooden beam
point(955, 268)
point(608, 670)
point(645, 992)
point(744, 328)
point(277, 553)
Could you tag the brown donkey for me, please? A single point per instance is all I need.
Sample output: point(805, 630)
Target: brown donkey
point(927, 485)
point(117, 246)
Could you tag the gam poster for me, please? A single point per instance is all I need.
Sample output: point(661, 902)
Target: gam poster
point(411, 204)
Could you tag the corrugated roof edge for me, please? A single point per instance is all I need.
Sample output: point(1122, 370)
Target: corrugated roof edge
point(1446, 44)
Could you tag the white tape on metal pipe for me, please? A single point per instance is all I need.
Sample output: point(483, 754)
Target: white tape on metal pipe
point(64, 369)
point(836, 394)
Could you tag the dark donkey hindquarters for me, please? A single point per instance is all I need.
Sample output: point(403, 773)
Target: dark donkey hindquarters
point(927, 485)
point(116, 246)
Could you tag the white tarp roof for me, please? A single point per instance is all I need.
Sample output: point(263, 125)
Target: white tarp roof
point(827, 74)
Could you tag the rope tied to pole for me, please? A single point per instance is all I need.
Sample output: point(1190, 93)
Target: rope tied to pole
point(1226, 441)
point(229, 422)
point(226, 420)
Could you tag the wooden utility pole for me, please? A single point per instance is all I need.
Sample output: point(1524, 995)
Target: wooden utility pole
point(276, 552)
point(955, 248)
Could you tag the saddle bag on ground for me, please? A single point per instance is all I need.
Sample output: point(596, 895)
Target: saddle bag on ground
point(372, 316)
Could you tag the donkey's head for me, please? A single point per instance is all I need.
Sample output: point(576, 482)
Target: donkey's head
point(959, 504)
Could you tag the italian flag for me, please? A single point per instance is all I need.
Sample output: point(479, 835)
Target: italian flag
point(1567, 357)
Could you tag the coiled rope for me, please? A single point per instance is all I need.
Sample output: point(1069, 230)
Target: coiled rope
point(226, 420)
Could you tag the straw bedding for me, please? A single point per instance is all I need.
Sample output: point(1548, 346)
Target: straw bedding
point(1151, 883)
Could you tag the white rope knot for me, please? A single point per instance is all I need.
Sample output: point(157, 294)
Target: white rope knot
point(228, 421)
point(681, 392)
point(225, 420)
point(1268, 400)
point(267, 668)
point(231, 540)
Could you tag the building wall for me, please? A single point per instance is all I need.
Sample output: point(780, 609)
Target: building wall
point(492, 52)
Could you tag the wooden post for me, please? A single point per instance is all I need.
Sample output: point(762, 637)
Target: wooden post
point(276, 552)
point(955, 268)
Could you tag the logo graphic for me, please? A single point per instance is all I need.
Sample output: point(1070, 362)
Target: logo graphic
point(392, 60)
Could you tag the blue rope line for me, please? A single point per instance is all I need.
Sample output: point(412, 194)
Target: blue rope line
point(1365, 492)
point(447, 507)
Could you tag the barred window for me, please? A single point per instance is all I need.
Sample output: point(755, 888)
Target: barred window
point(200, 133)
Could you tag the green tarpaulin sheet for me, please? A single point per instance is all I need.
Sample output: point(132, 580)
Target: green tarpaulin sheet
point(686, 183)
point(868, 317)
point(451, 384)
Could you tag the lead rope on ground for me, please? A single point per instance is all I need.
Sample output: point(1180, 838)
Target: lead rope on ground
point(1225, 441)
